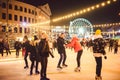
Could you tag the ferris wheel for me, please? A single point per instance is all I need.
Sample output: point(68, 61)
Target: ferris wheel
point(81, 27)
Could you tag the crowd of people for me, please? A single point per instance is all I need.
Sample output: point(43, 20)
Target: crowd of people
point(39, 50)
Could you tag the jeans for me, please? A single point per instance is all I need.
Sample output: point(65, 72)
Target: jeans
point(44, 62)
point(17, 52)
point(32, 65)
point(25, 58)
point(8, 51)
point(98, 66)
point(79, 57)
point(62, 57)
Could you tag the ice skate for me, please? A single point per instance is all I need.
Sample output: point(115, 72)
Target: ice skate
point(98, 78)
point(77, 69)
point(59, 68)
point(64, 65)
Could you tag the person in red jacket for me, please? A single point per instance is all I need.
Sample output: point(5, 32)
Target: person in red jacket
point(75, 43)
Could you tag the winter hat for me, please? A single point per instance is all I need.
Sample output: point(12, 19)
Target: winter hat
point(98, 32)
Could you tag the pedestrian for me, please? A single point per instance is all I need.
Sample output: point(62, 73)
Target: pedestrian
point(33, 57)
point(54, 44)
point(1, 47)
point(61, 51)
point(115, 46)
point(75, 43)
point(111, 43)
point(98, 51)
point(26, 46)
point(6, 46)
point(44, 52)
point(17, 46)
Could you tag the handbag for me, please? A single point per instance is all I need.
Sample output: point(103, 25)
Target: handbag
point(23, 51)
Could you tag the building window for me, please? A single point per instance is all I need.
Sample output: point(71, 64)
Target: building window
point(16, 7)
point(28, 30)
point(15, 30)
point(21, 18)
point(3, 28)
point(25, 19)
point(32, 20)
point(25, 9)
point(3, 5)
point(35, 13)
point(20, 30)
point(25, 30)
point(29, 11)
point(10, 16)
point(3, 15)
point(10, 6)
point(29, 20)
point(21, 9)
point(9, 29)
point(32, 12)
point(15, 17)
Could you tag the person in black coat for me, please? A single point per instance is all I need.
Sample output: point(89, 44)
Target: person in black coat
point(98, 50)
point(1, 47)
point(26, 45)
point(61, 50)
point(17, 46)
point(44, 52)
point(33, 57)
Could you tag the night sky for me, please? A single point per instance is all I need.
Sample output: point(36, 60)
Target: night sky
point(107, 14)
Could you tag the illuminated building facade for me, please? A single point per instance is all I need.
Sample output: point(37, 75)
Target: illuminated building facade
point(16, 19)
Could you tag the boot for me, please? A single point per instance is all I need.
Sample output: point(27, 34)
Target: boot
point(64, 65)
point(98, 78)
point(77, 69)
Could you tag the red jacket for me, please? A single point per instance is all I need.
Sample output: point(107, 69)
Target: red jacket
point(75, 44)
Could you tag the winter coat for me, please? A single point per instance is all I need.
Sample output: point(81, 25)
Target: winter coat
point(33, 53)
point(43, 48)
point(75, 44)
point(17, 45)
point(1, 47)
point(99, 45)
point(26, 45)
point(60, 45)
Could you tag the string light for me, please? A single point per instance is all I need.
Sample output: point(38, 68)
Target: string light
point(77, 13)
point(86, 10)
point(107, 25)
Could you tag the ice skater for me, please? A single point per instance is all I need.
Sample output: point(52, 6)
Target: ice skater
point(98, 50)
point(61, 51)
point(75, 43)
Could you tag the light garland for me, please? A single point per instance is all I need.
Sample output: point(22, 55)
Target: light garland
point(107, 25)
point(76, 13)
point(84, 10)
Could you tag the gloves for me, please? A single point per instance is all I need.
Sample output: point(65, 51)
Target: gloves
point(105, 57)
